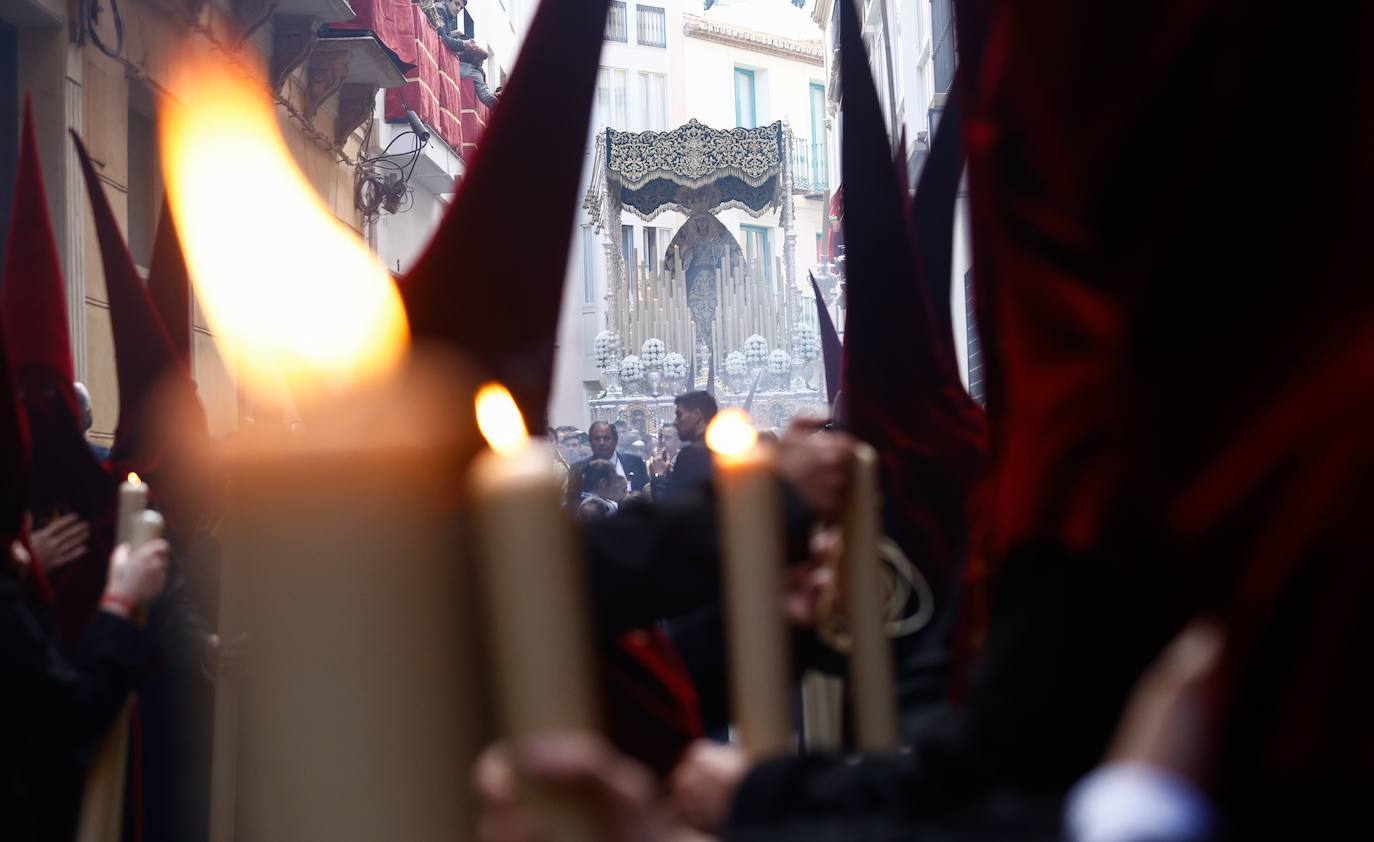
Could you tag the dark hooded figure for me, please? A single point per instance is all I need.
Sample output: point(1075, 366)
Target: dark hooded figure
point(1181, 390)
point(56, 703)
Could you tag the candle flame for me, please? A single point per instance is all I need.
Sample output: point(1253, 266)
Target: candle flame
point(133, 479)
point(731, 433)
point(287, 288)
point(500, 420)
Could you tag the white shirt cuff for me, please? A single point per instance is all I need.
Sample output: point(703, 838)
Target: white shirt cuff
point(1135, 802)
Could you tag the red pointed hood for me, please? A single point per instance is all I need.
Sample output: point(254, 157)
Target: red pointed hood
point(33, 300)
point(14, 455)
point(491, 281)
point(65, 476)
point(144, 357)
point(14, 477)
point(169, 285)
point(901, 386)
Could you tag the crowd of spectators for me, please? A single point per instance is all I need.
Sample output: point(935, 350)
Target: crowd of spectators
point(610, 465)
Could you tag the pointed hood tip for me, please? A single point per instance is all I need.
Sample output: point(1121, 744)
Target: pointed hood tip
point(832, 352)
point(169, 284)
point(549, 94)
point(144, 356)
point(33, 296)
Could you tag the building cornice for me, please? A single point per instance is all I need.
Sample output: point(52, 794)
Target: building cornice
point(810, 52)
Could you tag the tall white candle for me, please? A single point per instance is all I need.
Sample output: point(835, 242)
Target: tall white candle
point(870, 661)
point(344, 568)
point(537, 611)
point(751, 538)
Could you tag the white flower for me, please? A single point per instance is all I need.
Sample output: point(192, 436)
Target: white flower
point(806, 343)
point(607, 349)
point(652, 352)
point(735, 365)
point(674, 366)
point(756, 351)
point(631, 368)
point(779, 362)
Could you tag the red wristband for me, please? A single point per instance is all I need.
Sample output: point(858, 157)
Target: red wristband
point(130, 610)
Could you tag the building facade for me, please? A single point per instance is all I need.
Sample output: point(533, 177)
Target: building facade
point(342, 74)
point(913, 53)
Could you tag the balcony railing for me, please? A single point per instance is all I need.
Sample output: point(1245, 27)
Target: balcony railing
point(651, 26)
point(810, 166)
point(617, 23)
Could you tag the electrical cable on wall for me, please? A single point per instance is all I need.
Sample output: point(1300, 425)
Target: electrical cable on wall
point(90, 24)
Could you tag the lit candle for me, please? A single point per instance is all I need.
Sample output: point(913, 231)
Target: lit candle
point(535, 596)
point(751, 539)
point(870, 660)
point(133, 499)
point(342, 559)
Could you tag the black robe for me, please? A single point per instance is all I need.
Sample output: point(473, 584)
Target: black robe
point(54, 709)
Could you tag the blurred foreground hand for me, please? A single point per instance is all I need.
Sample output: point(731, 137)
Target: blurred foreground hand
point(61, 541)
point(617, 788)
point(1169, 719)
point(703, 785)
point(819, 466)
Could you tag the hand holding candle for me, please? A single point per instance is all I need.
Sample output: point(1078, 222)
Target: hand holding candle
point(134, 582)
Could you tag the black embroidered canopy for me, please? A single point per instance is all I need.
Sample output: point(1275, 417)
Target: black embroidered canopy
point(695, 168)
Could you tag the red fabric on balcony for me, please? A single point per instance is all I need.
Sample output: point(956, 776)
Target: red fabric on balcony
point(436, 92)
point(475, 117)
point(392, 21)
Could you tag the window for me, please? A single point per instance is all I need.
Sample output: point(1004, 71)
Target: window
point(943, 44)
point(651, 26)
point(651, 248)
point(627, 248)
point(977, 381)
point(612, 99)
point(746, 107)
point(654, 99)
point(588, 278)
point(617, 28)
point(756, 251)
point(143, 177)
point(820, 154)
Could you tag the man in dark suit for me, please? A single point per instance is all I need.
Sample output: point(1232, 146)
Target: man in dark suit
point(604, 440)
point(693, 411)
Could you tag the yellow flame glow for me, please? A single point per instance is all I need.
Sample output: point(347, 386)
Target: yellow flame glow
point(288, 289)
point(500, 420)
point(731, 433)
point(133, 479)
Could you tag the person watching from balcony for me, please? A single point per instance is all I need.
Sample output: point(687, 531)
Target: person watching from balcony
point(470, 56)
